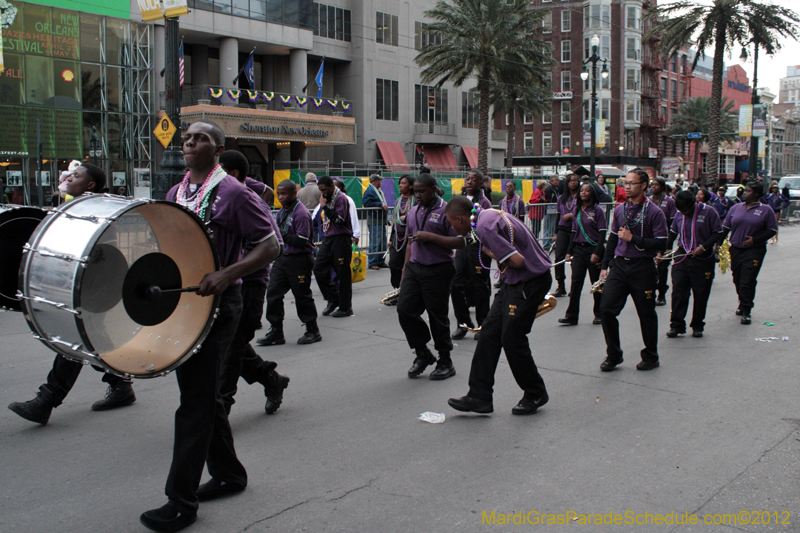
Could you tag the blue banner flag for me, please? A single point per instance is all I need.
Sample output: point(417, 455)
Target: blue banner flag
point(250, 72)
point(318, 79)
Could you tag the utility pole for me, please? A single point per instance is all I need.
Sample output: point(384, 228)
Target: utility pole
point(172, 164)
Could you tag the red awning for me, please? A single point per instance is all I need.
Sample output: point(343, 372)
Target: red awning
point(471, 153)
point(438, 157)
point(393, 155)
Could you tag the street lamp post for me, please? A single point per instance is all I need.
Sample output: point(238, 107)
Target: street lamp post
point(172, 163)
point(593, 59)
point(753, 167)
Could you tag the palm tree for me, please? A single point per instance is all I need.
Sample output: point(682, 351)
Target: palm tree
point(480, 38)
point(721, 25)
point(694, 115)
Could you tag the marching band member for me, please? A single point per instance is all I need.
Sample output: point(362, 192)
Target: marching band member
point(667, 206)
point(777, 202)
point(427, 276)
point(336, 250)
point(698, 229)
point(585, 252)
point(750, 225)
point(525, 271)
point(512, 203)
point(399, 237)
point(638, 232)
point(567, 203)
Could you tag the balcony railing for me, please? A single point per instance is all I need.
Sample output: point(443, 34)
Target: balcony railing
point(269, 100)
point(435, 128)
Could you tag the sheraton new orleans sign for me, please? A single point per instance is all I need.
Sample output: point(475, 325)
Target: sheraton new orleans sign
point(285, 130)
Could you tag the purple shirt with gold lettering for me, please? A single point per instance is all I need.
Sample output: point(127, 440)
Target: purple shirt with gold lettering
point(593, 220)
point(744, 222)
point(296, 221)
point(495, 235)
point(653, 225)
point(433, 220)
point(696, 229)
point(667, 206)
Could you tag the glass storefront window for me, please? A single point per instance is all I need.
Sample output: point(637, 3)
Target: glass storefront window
point(11, 83)
point(118, 42)
point(67, 84)
point(91, 86)
point(115, 85)
point(90, 37)
point(39, 87)
point(37, 22)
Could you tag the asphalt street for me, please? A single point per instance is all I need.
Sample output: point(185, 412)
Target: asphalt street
point(714, 430)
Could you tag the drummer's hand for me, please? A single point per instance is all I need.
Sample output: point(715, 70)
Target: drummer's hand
point(568, 258)
point(603, 274)
point(625, 234)
point(594, 259)
point(213, 283)
point(700, 250)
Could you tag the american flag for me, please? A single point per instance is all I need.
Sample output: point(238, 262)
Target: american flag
point(181, 65)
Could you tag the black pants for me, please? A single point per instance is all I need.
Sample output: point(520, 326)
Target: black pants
point(64, 374)
point(426, 288)
point(471, 281)
point(562, 243)
point(291, 272)
point(663, 277)
point(693, 277)
point(335, 252)
point(580, 265)
point(745, 264)
point(507, 326)
point(231, 367)
point(397, 260)
point(637, 278)
point(202, 431)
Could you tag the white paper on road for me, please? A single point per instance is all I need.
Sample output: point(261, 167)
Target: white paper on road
point(433, 418)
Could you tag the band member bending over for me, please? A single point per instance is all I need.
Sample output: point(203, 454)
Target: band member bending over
point(202, 432)
point(698, 229)
point(335, 250)
point(427, 276)
point(638, 232)
point(471, 283)
point(585, 252)
point(525, 271)
point(751, 224)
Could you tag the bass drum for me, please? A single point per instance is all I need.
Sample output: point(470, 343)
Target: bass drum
point(72, 276)
point(17, 224)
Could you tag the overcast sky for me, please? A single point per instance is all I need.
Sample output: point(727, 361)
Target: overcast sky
point(770, 69)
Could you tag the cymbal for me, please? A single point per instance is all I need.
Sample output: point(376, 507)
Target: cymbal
point(146, 289)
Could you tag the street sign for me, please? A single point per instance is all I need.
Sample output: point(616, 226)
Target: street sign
point(165, 130)
point(695, 135)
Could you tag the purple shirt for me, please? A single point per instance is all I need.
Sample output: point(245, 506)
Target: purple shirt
point(237, 216)
point(515, 206)
point(494, 234)
point(567, 207)
point(652, 226)
point(695, 230)
point(296, 221)
point(745, 222)
point(420, 219)
point(593, 221)
point(342, 208)
point(259, 187)
point(776, 201)
point(667, 206)
point(481, 200)
point(262, 274)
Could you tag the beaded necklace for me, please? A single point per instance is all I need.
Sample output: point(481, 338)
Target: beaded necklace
point(326, 223)
point(633, 223)
point(511, 206)
point(476, 210)
point(283, 218)
point(693, 239)
point(583, 231)
point(198, 202)
point(400, 243)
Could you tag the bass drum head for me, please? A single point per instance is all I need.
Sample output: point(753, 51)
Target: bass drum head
point(17, 224)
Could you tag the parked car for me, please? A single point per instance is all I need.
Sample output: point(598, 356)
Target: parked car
point(794, 186)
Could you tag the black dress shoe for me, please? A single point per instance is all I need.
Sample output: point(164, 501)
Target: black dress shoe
point(739, 312)
point(746, 318)
point(560, 291)
point(37, 410)
point(214, 488)
point(469, 404)
point(597, 321)
point(116, 396)
point(274, 393)
point(423, 360)
point(342, 313)
point(330, 308)
point(672, 333)
point(444, 370)
point(608, 365)
point(459, 333)
point(648, 365)
point(310, 337)
point(273, 337)
point(528, 406)
point(697, 333)
point(167, 518)
point(661, 301)
point(568, 321)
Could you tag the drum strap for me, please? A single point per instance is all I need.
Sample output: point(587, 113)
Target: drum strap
point(212, 196)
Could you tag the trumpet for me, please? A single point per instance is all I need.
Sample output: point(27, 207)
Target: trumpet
point(597, 287)
point(390, 296)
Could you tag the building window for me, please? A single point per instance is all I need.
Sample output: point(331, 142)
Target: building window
point(547, 143)
point(632, 48)
point(633, 111)
point(566, 141)
point(331, 22)
point(605, 109)
point(527, 118)
point(430, 105)
point(566, 21)
point(632, 79)
point(674, 86)
point(634, 18)
point(547, 22)
point(566, 111)
point(547, 118)
point(423, 36)
point(597, 16)
point(386, 99)
point(566, 80)
point(528, 140)
point(566, 51)
point(675, 63)
point(664, 114)
point(386, 28)
point(664, 94)
point(469, 109)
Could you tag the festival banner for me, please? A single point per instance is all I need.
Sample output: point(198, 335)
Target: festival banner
point(745, 121)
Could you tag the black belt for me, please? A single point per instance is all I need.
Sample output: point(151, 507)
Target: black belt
point(635, 258)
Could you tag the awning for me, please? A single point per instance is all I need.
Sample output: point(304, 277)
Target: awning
point(471, 153)
point(438, 157)
point(393, 155)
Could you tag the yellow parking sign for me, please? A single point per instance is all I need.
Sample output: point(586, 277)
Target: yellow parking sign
point(165, 130)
